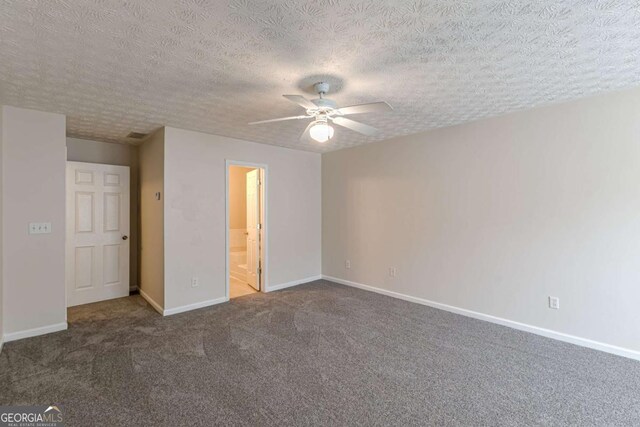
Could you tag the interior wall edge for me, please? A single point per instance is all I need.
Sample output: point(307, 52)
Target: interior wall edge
point(151, 213)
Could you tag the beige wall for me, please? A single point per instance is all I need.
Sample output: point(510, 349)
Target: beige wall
point(33, 150)
point(496, 215)
point(238, 197)
point(81, 150)
point(195, 213)
point(152, 181)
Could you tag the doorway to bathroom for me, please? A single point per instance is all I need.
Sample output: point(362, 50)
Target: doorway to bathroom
point(246, 228)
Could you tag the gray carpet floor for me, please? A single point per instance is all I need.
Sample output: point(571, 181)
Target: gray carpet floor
point(316, 354)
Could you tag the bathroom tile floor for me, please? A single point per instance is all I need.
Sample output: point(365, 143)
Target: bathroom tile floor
point(239, 289)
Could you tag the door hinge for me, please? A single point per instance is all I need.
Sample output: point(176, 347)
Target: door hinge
point(259, 227)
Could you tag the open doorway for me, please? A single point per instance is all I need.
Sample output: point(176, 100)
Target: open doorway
point(246, 229)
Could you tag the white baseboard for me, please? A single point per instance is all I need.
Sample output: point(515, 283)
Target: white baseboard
point(584, 342)
point(272, 288)
point(28, 333)
point(181, 309)
point(195, 306)
point(157, 307)
point(133, 288)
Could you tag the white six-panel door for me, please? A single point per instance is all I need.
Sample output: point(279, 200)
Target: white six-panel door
point(97, 248)
point(253, 228)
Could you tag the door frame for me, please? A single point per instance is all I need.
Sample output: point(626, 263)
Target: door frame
point(264, 214)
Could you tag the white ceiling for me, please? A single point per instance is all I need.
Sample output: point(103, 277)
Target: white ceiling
point(115, 66)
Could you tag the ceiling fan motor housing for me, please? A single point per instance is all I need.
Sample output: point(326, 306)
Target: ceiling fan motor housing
point(321, 87)
point(325, 104)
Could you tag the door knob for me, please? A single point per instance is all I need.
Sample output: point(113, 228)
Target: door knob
point(125, 237)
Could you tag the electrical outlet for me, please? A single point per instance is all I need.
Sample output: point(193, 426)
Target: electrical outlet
point(554, 303)
point(393, 272)
point(195, 282)
point(347, 264)
point(39, 227)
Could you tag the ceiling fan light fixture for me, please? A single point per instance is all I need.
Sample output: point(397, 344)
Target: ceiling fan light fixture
point(322, 110)
point(321, 132)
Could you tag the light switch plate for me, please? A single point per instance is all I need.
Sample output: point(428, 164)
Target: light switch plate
point(39, 227)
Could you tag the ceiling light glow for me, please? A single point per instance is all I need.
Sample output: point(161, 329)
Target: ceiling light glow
point(321, 132)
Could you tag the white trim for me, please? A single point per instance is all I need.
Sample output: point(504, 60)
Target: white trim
point(28, 333)
point(183, 308)
point(264, 283)
point(194, 306)
point(560, 336)
point(293, 283)
point(157, 307)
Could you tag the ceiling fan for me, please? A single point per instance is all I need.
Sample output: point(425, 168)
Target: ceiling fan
point(324, 111)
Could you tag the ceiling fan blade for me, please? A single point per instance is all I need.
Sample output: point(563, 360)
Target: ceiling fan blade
point(306, 136)
point(355, 126)
point(373, 107)
point(280, 119)
point(302, 101)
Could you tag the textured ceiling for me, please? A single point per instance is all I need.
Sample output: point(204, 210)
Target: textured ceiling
point(115, 66)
